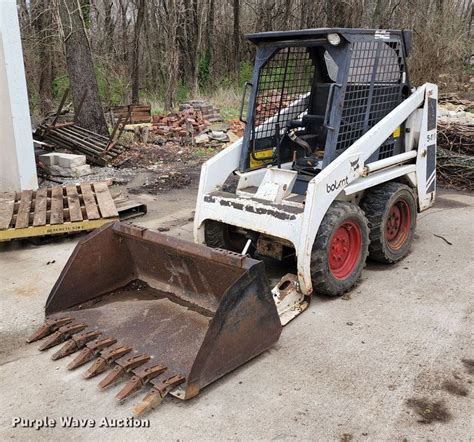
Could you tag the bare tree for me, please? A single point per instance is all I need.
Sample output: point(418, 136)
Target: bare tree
point(236, 36)
point(43, 22)
point(171, 23)
point(136, 51)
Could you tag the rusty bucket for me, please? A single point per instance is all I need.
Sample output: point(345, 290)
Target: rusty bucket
point(156, 310)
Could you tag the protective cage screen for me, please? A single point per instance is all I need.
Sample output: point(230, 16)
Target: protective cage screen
point(284, 84)
point(373, 90)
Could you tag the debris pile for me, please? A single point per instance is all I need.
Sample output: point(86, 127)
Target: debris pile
point(164, 182)
point(97, 148)
point(456, 146)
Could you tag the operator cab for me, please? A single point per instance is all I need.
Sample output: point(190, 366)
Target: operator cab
point(315, 92)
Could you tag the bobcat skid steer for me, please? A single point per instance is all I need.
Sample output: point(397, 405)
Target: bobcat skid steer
point(337, 158)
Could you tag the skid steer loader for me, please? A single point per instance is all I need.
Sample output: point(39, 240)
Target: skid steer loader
point(337, 158)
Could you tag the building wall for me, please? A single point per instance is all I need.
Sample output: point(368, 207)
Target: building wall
point(17, 161)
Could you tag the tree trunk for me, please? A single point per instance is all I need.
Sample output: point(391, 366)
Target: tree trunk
point(210, 39)
point(124, 23)
point(109, 25)
point(43, 23)
point(174, 15)
point(136, 52)
point(81, 69)
point(190, 43)
point(236, 36)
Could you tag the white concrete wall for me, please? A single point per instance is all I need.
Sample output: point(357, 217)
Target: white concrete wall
point(17, 161)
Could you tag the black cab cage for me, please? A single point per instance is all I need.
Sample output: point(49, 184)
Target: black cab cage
point(329, 86)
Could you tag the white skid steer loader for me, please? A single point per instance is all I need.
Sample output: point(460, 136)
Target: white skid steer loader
point(337, 159)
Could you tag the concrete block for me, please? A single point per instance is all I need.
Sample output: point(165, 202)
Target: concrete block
point(48, 159)
point(74, 172)
point(70, 160)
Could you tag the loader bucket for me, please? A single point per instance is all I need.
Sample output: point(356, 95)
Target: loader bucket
point(159, 311)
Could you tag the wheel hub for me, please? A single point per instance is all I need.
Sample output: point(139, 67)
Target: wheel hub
point(397, 226)
point(345, 249)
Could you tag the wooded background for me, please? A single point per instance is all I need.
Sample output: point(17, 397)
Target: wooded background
point(164, 51)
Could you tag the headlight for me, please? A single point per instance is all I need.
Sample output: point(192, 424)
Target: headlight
point(334, 39)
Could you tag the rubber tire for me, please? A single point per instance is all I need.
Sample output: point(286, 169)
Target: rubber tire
point(322, 278)
point(376, 205)
point(216, 235)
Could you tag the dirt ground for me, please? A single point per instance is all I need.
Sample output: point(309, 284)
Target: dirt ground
point(391, 360)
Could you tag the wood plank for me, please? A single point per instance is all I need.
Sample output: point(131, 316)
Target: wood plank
point(74, 204)
point(89, 202)
point(57, 216)
point(7, 204)
point(106, 203)
point(23, 217)
point(41, 200)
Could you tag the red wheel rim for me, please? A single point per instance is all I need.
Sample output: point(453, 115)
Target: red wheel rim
point(345, 249)
point(397, 226)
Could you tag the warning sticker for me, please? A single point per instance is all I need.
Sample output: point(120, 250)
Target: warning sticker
point(382, 34)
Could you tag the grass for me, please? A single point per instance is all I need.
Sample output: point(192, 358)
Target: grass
point(227, 99)
point(203, 152)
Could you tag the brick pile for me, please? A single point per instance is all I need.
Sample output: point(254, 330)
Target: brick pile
point(179, 124)
point(208, 112)
point(237, 127)
point(270, 104)
point(193, 117)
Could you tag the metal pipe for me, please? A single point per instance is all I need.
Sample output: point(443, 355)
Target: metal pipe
point(391, 161)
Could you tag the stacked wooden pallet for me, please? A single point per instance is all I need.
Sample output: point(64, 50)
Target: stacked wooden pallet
point(98, 149)
point(136, 113)
point(54, 210)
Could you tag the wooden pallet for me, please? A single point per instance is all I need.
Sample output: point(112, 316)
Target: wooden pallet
point(98, 149)
point(53, 210)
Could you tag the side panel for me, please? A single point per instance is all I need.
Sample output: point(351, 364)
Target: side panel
point(426, 159)
point(214, 172)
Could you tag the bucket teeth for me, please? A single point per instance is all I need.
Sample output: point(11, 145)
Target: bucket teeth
point(108, 356)
point(88, 353)
point(75, 343)
point(62, 334)
point(121, 368)
point(139, 380)
point(49, 326)
point(157, 394)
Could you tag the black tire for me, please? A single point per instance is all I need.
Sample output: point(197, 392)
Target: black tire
point(391, 210)
point(215, 234)
point(219, 235)
point(342, 219)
